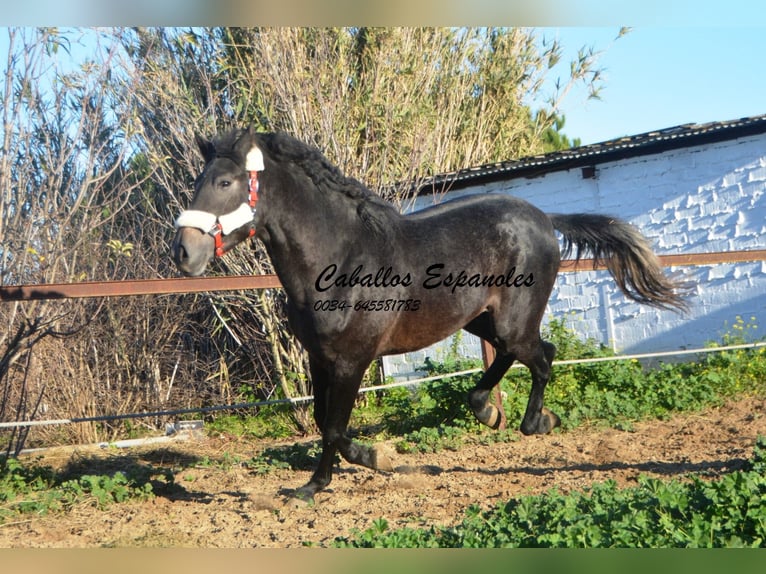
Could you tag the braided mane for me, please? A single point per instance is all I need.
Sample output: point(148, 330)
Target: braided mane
point(285, 149)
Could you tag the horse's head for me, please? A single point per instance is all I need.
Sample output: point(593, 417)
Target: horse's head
point(223, 210)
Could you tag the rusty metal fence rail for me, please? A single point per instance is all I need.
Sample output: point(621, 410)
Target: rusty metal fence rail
point(240, 282)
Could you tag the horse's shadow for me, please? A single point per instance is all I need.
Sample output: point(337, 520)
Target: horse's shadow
point(164, 468)
point(156, 468)
point(662, 468)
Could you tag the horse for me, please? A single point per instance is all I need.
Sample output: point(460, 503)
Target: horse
point(363, 280)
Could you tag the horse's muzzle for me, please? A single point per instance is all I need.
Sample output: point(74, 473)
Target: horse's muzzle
point(192, 250)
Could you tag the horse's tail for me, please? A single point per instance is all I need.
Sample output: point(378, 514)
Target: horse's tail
point(625, 253)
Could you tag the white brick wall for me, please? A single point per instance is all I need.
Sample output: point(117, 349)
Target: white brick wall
point(693, 200)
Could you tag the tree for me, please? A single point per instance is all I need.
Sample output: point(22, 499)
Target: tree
point(63, 179)
point(554, 139)
point(398, 105)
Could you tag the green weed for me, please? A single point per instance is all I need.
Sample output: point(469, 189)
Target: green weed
point(296, 456)
point(610, 393)
point(619, 393)
point(273, 421)
point(728, 512)
point(40, 490)
point(432, 439)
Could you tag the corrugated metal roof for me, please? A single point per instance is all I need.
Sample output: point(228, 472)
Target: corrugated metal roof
point(653, 142)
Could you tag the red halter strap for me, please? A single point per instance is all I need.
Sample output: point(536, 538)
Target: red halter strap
point(253, 199)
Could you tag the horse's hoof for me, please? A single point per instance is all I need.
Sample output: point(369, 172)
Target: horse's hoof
point(543, 424)
point(490, 416)
point(553, 420)
point(381, 459)
point(301, 498)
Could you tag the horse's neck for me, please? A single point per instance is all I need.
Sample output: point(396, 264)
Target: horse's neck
point(306, 232)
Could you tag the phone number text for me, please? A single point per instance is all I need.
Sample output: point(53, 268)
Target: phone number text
point(390, 305)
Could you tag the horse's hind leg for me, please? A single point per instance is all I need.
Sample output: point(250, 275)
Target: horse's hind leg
point(478, 398)
point(537, 418)
point(537, 356)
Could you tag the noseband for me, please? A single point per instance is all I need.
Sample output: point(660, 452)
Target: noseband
point(218, 226)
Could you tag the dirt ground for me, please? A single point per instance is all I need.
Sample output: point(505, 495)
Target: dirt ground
point(212, 506)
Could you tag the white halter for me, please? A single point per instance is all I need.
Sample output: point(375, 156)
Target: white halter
point(206, 222)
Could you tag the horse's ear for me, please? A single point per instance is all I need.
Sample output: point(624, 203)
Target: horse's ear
point(205, 146)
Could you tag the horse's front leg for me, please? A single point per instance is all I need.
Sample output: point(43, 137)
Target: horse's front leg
point(372, 457)
point(322, 475)
point(338, 402)
point(320, 381)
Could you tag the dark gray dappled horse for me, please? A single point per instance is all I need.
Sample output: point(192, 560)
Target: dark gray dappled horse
point(363, 280)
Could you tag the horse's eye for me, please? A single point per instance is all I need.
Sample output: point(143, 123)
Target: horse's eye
point(224, 183)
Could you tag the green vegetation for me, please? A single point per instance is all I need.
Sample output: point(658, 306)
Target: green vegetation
point(618, 393)
point(611, 393)
point(269, 422)
point(729, 512)
point(39, 490)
